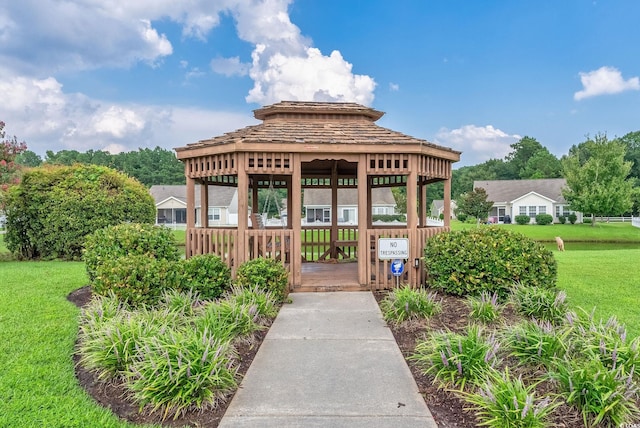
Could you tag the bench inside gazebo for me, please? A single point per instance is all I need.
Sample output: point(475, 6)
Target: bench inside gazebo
point(319, 145)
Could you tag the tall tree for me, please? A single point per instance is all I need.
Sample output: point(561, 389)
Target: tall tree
point(29, 159)
point(530, 159)
point(598, 183)
point(475, 204)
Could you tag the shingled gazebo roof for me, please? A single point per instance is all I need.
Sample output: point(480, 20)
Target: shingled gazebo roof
point(303, 124)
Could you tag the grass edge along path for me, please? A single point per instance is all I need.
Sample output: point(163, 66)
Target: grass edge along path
point(38, 329)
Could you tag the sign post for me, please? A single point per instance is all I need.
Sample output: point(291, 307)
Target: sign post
point(397, 267)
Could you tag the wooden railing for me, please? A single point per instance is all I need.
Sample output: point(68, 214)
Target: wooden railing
point(379, 270)
point(316, 243)
point(218, 241)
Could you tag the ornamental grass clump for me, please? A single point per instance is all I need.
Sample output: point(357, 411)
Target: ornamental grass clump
point(458, 359)
point(536, 343)
point(603, 395)
point(180, 303)
point(506, 402)
point(181, 370)
point(406, 303)
point(540, 303)
point(264, 301)
point(110, 346)
point(605, 340)
point(227, 321)
point(484, 308)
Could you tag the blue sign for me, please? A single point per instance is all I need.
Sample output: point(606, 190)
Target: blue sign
point(397, 267)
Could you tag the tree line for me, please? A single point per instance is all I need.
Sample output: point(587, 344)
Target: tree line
point(149, 166)
point(604, 174)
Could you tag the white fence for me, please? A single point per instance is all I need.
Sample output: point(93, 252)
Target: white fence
point(635, 221)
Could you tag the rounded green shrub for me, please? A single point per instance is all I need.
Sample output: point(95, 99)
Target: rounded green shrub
point(462, 217)
point(136, 279)
point(522, 219)
point(487, 259)
point(112, 242)
point(205, 274)
point(54, 207)
point(562, 219)
point(572, 218)
point(544, 219)
point(267, 274)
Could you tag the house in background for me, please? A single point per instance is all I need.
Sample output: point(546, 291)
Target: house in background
point(317, 204)
point(526, 197)
point(171, 204)
point(437, 208)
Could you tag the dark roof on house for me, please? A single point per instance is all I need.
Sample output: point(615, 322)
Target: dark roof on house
point(322, 197)
point(219, 196)
point(510, 190)
point(304, 123)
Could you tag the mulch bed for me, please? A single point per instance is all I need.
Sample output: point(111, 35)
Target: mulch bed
point(446, 407)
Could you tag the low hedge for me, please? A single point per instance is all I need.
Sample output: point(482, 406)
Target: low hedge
point(266, 274)
point(113, 242)
point(487, 259)
point(544, 219)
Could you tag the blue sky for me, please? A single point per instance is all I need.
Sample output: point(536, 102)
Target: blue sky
point(472, 75)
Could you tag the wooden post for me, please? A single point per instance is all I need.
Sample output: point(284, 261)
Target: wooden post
point(191, 214)
point(255, 206)
point(447, 202)
point(243, 209)
point(295, 214)
point(363, 221)
point(333, 235)
point(412, 217)
point(204, 204)
point(422, 200)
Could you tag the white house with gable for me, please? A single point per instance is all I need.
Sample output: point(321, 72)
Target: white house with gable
point(526, 197)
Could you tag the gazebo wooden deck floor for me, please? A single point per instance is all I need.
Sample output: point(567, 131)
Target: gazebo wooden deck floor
point(330, 277)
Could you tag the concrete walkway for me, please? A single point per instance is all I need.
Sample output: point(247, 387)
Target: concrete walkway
point(328, 361)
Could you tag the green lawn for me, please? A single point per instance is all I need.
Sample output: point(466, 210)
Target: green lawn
point(38, 329)
point(605, 279)
point(601, 232)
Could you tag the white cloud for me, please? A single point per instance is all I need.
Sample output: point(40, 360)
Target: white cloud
point(40, 113)
point(394, 87)
point(478, 143)
point(230, 66)
point(605, 80)
point(285, 66)
point(309, 77)
point(41, 38)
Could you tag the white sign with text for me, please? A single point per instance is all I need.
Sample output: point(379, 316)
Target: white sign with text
point(393, 248)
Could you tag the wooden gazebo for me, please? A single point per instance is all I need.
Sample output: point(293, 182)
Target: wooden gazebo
point(316, 145)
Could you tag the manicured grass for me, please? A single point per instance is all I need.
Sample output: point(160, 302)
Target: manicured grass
point(38, 329)
point(606, 279)
point(601, 232)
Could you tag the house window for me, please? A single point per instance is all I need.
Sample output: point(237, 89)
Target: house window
point(523, 210)
point(380, 210)
point(214, 214)
point(318, 214)
point(532, 211)
point(542, 209)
